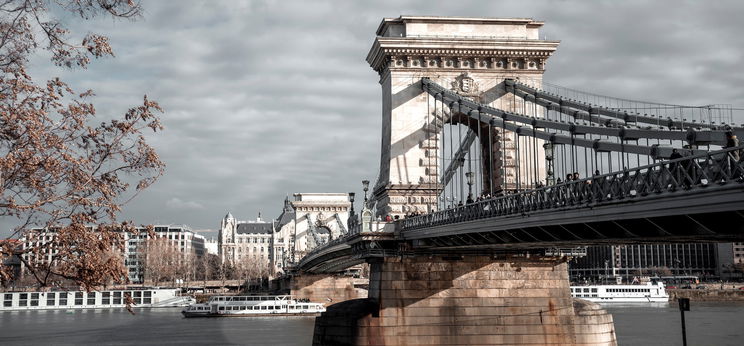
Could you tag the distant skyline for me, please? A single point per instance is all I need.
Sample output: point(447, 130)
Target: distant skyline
point(264, 99)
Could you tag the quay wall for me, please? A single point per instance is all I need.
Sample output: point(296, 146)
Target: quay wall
point(707, 295)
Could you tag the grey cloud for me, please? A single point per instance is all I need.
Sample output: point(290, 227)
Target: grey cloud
point(265, 98)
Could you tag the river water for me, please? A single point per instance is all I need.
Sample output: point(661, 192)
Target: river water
point(709, 323)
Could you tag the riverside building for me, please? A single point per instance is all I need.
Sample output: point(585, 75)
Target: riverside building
point(182, 237)
point(305, 222)
point(627, 261)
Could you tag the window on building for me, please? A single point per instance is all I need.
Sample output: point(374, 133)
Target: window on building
point(92, 298)
point(8, 300)
point(78, 298)
point(63, 298)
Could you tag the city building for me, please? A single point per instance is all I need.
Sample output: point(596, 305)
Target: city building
point(242, 242)
point(738, 252)
point(305, 222)
point(312, 219)
point(731, 260)
point(186, 242)
point(212, 246)
point(628, 261)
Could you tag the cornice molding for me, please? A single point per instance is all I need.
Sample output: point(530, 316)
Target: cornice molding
point(393, 53)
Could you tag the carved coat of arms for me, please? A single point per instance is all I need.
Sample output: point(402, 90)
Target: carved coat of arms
point(465, 85)
point(320, 222)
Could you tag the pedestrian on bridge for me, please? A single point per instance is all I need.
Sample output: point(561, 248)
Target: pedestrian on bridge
point(673, 166)
point(732, 142)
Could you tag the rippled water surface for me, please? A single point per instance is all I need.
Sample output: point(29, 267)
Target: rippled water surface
point(709, 323)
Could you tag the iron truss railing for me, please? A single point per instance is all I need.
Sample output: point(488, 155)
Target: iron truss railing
point(688, 173)
point(354, 228)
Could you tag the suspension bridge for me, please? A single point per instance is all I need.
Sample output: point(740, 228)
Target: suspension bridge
point(484, 166)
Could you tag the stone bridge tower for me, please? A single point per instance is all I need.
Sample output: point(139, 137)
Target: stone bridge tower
point(472, 56)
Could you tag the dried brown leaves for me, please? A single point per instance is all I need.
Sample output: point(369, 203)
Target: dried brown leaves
point(59, 167)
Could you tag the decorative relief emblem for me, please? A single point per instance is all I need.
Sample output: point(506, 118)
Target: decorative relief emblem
point(320, 222)
point(465, 85)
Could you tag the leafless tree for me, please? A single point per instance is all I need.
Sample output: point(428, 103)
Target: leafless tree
point(60, 167)
point(163, 261)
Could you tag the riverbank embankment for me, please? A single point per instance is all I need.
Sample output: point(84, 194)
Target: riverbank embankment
point(708, 295)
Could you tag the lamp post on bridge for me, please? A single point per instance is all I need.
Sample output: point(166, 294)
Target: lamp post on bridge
point(469, 176)
point(548, 148)
point(351, 199)
point(365, 184)
point(351, 221)
point(366, 216)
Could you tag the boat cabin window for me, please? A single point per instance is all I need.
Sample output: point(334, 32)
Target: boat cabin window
point(51, 298)
point(222, 308)
point(34, 299)
point(8, 299)
point(78, 298)
point(105, 298)
point(63, 298)
point(594, 290)
point(92, 298)
point(117, 297)
point(23, 299)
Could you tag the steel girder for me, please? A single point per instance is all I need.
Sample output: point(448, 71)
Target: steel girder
point(570, 107)
point(459, 158)
point(511, 122)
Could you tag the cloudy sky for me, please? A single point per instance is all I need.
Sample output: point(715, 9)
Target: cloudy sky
point(268, 98)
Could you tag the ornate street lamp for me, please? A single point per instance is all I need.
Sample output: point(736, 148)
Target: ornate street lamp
point(365, 184)
point(351, 199)
point(549, 152)
point(469, 176)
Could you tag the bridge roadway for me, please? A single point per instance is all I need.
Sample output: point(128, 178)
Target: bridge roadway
point(696, 198)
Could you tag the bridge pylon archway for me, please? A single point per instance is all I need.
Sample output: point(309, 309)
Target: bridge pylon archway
point(473, 56)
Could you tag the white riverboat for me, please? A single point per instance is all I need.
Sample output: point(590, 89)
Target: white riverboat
point(64, 300)
point(652, 292)
point(219, 306)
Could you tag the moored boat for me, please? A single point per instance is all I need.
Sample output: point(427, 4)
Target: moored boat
point(52, 300)
point(652, 292)
point(222, 306)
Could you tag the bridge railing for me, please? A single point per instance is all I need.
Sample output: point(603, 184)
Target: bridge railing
point(355, 228)
point(687, 173)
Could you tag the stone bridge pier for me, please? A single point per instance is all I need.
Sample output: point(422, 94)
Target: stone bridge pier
point(466, 300)
point(325, 288)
